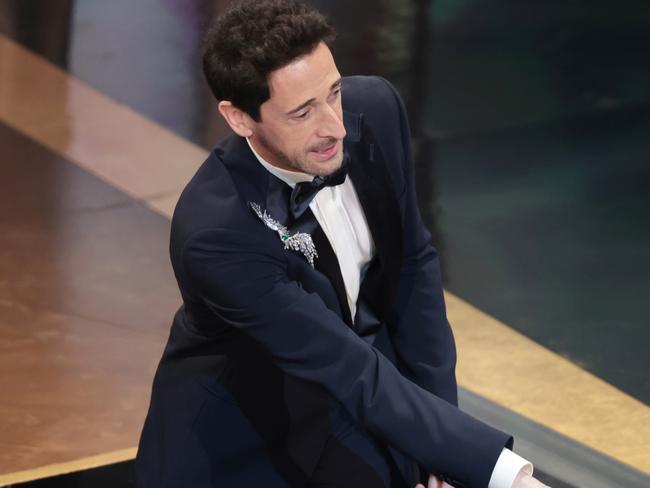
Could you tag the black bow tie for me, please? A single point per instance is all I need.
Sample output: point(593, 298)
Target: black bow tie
point(303, 193)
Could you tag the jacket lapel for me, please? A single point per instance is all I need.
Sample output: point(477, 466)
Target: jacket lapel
point(371, 180)
point(368, 172)
point(328, 264)
point(257, 185)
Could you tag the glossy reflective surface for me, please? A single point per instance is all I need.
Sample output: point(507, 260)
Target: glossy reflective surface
point(86, 296)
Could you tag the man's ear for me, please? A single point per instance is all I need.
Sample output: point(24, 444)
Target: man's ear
point(238, 120)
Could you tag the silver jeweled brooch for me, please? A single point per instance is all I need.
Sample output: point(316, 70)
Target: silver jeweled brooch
point(299, 241)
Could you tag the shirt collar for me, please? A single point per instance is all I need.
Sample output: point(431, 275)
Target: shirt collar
point(291, 178)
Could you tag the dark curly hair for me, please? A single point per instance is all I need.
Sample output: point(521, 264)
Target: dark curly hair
point(254, 38)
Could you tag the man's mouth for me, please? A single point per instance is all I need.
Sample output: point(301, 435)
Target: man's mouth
point(326, 152)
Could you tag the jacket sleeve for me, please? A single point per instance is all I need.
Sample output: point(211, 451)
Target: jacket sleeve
point(246, 286)
point(421, 334)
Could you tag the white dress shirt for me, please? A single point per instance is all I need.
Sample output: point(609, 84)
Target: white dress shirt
point(338, 211)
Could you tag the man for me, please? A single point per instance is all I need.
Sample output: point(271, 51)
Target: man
point(312, 347)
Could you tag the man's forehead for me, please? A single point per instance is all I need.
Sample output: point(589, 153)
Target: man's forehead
point(309, 76)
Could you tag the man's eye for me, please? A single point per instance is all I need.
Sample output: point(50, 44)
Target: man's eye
point(302, 115)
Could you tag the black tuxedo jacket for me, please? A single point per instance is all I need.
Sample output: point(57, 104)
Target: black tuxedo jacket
point(264, 346)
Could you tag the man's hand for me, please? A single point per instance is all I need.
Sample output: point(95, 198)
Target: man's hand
point(524, 480)
point(434, 483)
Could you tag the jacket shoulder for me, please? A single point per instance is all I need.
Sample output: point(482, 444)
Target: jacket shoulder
point(211, 200)
point(203, 199)
point(371, 95)
point(380, 104)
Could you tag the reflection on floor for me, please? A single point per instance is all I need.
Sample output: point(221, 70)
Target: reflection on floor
point(84, 313)
point(552, 216)
point(530, 123)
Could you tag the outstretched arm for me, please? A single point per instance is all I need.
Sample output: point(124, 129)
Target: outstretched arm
point(421, 334)
point(420, 331)
point(246, 286)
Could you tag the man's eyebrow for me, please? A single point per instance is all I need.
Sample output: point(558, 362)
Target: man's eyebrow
point(334, 86)
point(301, 106)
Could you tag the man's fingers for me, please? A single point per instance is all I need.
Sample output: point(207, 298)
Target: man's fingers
point(527, 481)
point(522, 481)
point(433, 482)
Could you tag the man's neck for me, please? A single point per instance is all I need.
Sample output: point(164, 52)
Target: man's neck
point(291, 178)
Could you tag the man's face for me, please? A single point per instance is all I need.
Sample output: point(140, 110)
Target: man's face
point(301, 127)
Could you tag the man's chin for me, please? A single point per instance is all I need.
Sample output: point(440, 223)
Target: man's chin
point(328, 159)
point(325, 168)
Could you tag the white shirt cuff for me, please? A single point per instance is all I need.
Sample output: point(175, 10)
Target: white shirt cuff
point(507, 468)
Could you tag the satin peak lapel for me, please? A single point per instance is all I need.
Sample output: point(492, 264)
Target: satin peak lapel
point(277, 201)
point(371, 180)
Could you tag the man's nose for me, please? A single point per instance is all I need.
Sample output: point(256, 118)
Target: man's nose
point(331, 124)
